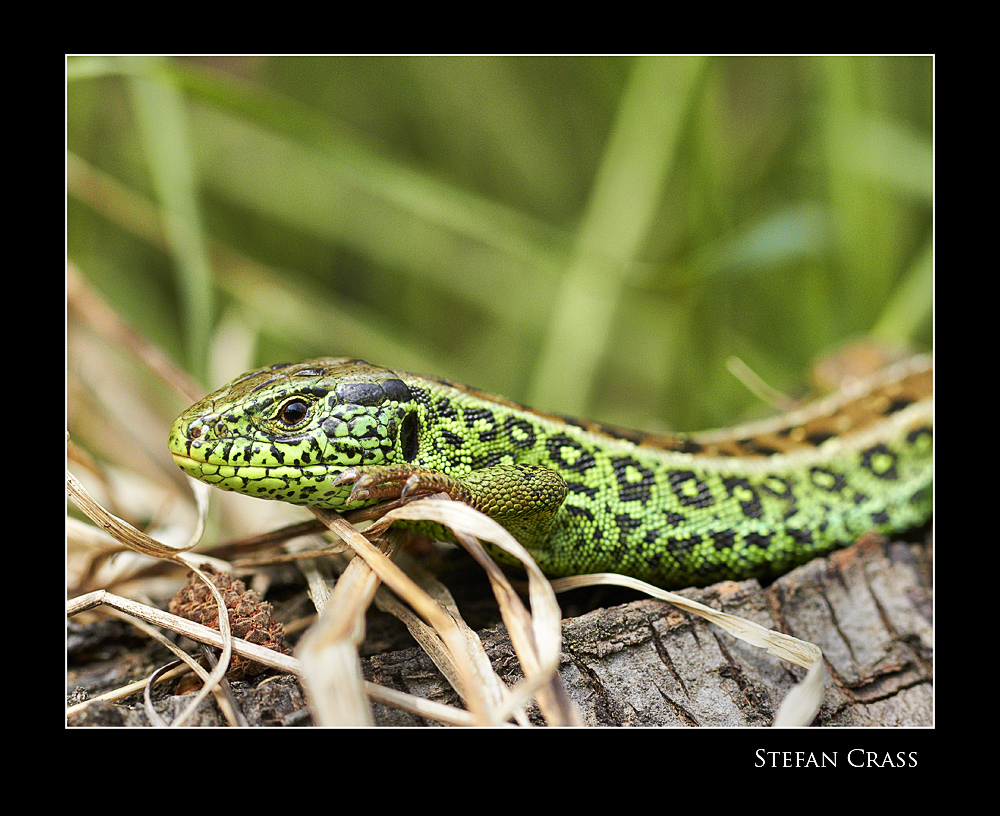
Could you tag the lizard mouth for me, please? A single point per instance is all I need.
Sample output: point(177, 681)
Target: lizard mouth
point(190, 464)
point(187, 463)
point(217, 473)
point(312, 485)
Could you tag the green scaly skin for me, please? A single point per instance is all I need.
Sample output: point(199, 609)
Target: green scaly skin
point(581, 497)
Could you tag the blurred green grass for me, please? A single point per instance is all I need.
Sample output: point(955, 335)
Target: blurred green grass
point(591, 235)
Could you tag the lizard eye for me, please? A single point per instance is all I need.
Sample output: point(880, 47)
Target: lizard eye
point(293, 412)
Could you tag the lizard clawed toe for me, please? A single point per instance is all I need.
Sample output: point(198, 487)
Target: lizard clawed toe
point(349, 475)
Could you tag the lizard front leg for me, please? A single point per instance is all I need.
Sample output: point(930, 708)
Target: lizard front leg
point(524, 499)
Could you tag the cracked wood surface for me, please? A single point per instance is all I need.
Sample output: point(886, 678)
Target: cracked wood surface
point(645, 663)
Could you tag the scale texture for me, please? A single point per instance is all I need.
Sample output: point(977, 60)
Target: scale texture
point(752, 501)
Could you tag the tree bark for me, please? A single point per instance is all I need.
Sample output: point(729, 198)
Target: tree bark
point(637, 663)
point(645, 663)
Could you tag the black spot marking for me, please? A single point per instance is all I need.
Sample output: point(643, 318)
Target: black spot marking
point(626, 524)
point(361, 427)
point(483, 417)
point(679, 548)
point(520, 433)
point(444, 408)
point(474, 415)
point(827, 479)
point(689, 489)
point(800, 536)
point(757, 540)
point(580, 487)
point(496, 458)
point(555, 446)
point(777, 486)
point(880, 461)
point(631, 489)
point(752, 446)
point(897, 404)
point(916, 433)
point(621, 433)
point(724, 539)
point(748, 498)
point(452, 438)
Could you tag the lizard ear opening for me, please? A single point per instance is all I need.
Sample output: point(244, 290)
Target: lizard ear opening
point(409, 441)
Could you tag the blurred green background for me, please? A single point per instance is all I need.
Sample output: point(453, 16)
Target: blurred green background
point(589, 235)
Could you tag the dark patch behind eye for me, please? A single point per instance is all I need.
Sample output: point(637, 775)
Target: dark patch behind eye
point(363, 393)
point(397, 390)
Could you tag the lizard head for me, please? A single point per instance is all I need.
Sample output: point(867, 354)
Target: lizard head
point(287, 431)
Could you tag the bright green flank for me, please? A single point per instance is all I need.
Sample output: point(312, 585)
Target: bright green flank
point(753, 501)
